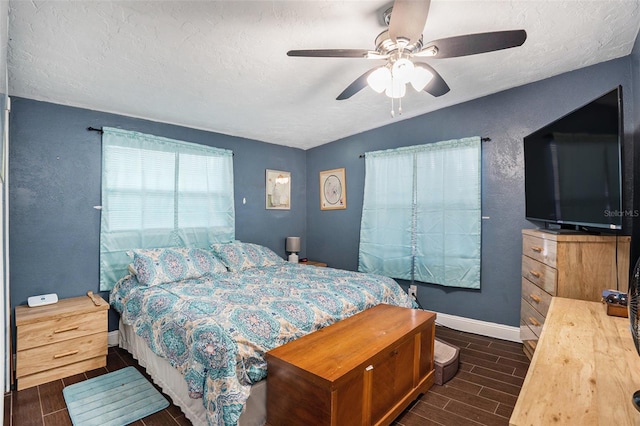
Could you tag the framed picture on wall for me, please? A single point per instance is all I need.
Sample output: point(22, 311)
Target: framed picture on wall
point(333, 189)
point(278, 190)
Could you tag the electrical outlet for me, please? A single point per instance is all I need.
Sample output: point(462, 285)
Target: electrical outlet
point(413, 291)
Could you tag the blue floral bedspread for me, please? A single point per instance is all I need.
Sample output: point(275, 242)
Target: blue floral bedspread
point(215, 330)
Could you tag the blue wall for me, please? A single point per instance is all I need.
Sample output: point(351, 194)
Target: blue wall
point(506, 118)
point(55, 167)
point(55, 181)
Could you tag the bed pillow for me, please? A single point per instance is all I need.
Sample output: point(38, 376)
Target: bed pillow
point(166, 265)
point(238, 255)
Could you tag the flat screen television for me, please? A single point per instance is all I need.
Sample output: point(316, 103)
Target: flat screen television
point(573, 168)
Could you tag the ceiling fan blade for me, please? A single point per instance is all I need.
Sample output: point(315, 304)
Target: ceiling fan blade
point(437, 86)
point(472, 44)
point(331, 53)
point(408, 18)
point(357, 85)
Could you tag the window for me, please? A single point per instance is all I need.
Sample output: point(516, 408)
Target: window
point(159, 192)
point(421, 213)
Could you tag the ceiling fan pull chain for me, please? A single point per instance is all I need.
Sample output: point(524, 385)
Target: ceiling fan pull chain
point(393, 114)
point(399, 106)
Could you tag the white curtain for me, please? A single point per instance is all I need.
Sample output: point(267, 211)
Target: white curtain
point(421, 213)
point(159, 192)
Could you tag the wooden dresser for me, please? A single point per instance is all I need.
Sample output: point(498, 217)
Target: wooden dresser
point(364, 370)
point(584, 371)
point(576, 265)
point(60, 340)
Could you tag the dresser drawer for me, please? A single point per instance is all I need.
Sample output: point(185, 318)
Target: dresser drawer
point(60, 329)
point(42, 358)
point(531, 318)
point(536, 297)
point(540, 274)
point(540, 249)
point(526, 334)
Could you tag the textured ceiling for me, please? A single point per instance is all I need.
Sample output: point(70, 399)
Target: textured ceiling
point(222, 65)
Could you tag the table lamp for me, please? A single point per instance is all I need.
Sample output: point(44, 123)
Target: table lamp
point(293, 247)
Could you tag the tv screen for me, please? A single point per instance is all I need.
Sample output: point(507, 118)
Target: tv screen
point(573, 167)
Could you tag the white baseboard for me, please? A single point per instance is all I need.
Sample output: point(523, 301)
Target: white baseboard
point(112, 338)
point(484, 328)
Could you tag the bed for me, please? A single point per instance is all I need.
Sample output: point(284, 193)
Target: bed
point(201, 321)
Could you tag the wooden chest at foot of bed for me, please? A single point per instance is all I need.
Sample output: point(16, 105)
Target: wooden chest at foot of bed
point(364, 370)
point(59, 340)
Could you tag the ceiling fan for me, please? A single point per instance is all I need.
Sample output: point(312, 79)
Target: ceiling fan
point(401, 44)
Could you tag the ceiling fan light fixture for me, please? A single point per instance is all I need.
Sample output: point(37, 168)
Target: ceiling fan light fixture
point(420, 78)
point(402, 70)
point(380, 79)
point(396, 89)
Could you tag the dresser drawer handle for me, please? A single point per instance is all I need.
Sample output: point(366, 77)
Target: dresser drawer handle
point(537, 249)
point(535, 274)
point(534, 321)
point(64, 330)
point(369, 368)
point(66, 354)
point(535, 298)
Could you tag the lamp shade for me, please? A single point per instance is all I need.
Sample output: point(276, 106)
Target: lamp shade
point(293, 244)
point(379, 79)
point(396, 90)
point(420, 78)
point(402, 70)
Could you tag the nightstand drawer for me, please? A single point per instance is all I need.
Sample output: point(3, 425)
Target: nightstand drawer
point(540, 249)
point(536, 297)
point(43, 358)
point(540, 274)
point(58, 330)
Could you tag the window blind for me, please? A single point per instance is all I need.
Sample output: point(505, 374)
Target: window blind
point(160, 192)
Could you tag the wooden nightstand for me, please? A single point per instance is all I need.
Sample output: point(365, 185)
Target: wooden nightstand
point(314, 263)
point(59, 340)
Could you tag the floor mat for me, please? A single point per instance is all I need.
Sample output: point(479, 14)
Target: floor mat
point(114, 399)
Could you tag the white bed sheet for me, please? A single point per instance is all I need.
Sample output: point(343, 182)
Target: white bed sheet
point(174, 385)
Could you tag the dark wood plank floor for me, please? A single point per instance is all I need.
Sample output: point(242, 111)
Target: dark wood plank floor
point(44, 405)
point(483, 392)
